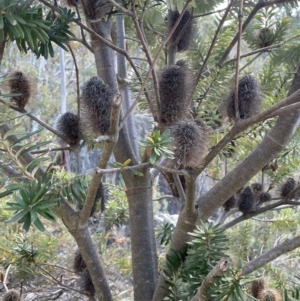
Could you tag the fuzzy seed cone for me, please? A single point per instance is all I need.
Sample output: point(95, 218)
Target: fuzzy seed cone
point(68, 126)
point(19, 83)
point(174, 87)
point(79, 264)
point(257, 286)
point(86, 282)
point(12, 295)
point(264, 197)
point(191, 143)
point(269, 295)
point(287, 187)
point(256, 187)
point(186, 37)
point(96, 101)
point(230, 203)
point(249, 99)
point(246, 201)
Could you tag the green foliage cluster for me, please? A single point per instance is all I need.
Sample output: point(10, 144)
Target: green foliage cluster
point(184, 276)
point(27, 25)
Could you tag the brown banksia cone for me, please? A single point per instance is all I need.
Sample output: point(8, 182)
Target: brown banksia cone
point(191, 143)
point(174, 87)
point(18, 82)
point(263, 197)
point(12, 295)
point(186, 24)
point(246, 201)
point(257, 286)
point(86, 283)
point(96, 101)
point(78, 264)
point(287, 187)
point(230, 203)
point(68, 126)
point(269, 295)
point(265, 37)
point(249, 99)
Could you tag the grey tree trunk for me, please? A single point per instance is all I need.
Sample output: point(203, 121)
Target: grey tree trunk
point(138, 189)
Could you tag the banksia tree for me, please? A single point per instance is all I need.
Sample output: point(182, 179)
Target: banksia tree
point(174, 87)
point(86, 283)
point(287, 187)
point(78, 264)
point(183, 32)
point(191, 143)
point(96, 101)
point(257, 286)
point(246, 201)
point(19, 83)
point(12, 295)
point(269, 295)
point(249, 99)
point(68, 126)
point(230, 203)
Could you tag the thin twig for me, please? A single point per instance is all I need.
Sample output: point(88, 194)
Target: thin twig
point(83, 41)
point(53, 279)
point(170, 170)
point(166, 196)
point(77, 80)
point(264, 49)
point(113, 170)
point(42, 123)
point(58, 266)
point(210, 13)
point(214, 40)
point(250, 62)
point(238, 53)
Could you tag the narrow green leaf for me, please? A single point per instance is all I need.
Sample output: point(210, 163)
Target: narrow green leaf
point(17, 216)
point(1, 21)
point(27, 223)
point(39, 225)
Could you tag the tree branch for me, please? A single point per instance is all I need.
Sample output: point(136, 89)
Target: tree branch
point(241, 125)
point(260, 4)
point(219, 270)
point(107, 152)
point(179, 187)
point(77, 79)
point(238, 52)
point(214, 40)
point(287, 246)
point(42, 123)
point(254, 213)
point(264, 49)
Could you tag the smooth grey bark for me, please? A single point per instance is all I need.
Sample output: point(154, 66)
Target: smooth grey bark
point(138, 189)
point(123, 82)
